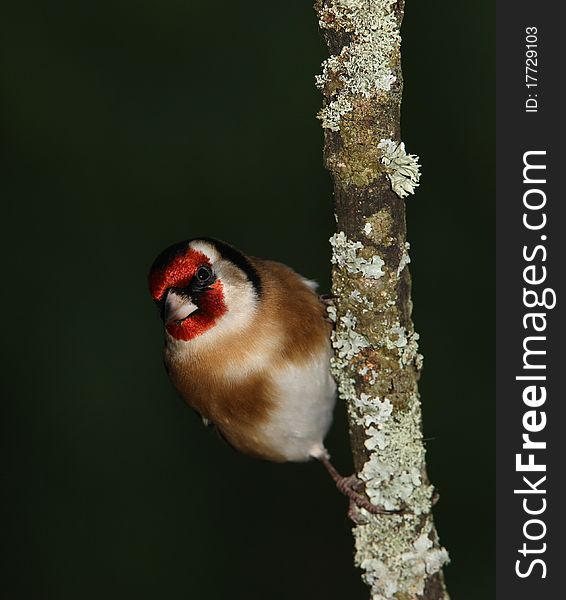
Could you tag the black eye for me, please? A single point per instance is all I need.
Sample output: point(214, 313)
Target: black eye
point(203, 274)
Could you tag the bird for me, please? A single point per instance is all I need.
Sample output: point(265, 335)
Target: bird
point(248, 347)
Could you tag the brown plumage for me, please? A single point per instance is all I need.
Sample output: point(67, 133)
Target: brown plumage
point(247, 345)
point(239, 407)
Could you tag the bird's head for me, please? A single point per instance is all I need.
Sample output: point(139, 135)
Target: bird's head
point(202, 283)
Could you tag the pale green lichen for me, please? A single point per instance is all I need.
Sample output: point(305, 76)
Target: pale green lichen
point(371, 371)
point(346, 340)
point(346, 385)
point(331, 312)
point(398, 339)
point(403, 170)
point(414, 560)
point(393, 474)
point(345, 255)
point(365, 66)
point(384, 583)
point(331, 114)
point(394, 562)
point(425, 559)
point(373, 410)
point(357, 297)
point(409, 351)
point(406, 344)
point(376, 439)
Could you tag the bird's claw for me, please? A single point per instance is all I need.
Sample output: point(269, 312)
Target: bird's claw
point(352, 487)
point(327, 299)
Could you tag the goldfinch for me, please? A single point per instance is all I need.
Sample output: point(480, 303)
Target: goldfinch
point(247, 345)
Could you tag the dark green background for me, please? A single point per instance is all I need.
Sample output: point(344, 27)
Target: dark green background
point(130, 125)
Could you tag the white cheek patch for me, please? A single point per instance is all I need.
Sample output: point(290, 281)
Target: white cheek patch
point(238, 291)
point(241, 303)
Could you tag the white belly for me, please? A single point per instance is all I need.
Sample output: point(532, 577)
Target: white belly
point(303, 414)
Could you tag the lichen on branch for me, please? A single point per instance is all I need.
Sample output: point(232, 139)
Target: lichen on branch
point(363, 67)
point(376, 362)
point(402, 169)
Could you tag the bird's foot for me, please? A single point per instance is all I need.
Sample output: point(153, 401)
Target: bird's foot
point(327, 299)
point(353, 488)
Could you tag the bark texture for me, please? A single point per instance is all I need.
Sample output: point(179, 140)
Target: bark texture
point(376, 360)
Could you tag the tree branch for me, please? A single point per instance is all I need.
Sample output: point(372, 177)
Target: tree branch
point(376, 361)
